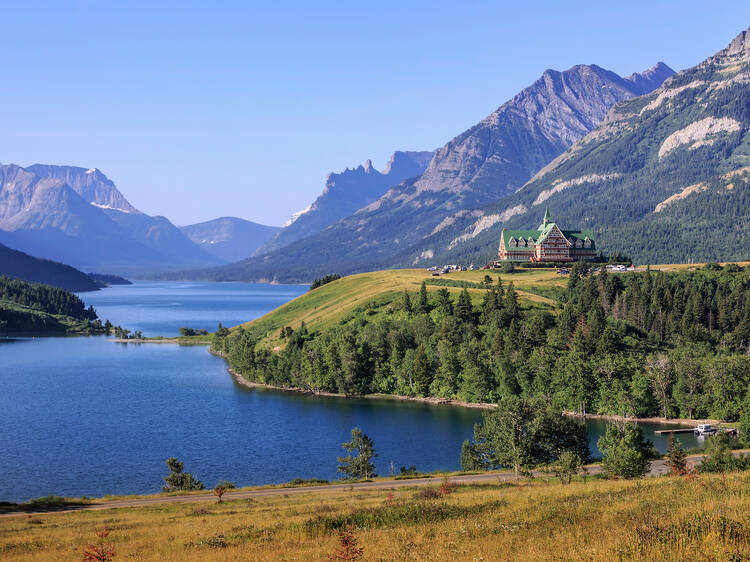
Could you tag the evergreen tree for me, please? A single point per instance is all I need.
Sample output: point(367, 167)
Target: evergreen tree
point(423, 305)
point(676, 456)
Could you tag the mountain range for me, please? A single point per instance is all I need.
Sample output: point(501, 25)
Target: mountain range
point(78, 216)
point(485, 163)
point(663, 179)
point(346, 192)
point(229, 238)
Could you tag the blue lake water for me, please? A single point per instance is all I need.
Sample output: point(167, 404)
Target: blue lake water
point(87, 416)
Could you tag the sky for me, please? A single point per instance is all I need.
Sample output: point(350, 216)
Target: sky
point(198, 110)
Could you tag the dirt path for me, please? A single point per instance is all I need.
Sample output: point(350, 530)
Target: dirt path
point(658, 468)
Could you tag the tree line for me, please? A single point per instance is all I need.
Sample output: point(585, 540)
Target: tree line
point(636, 344)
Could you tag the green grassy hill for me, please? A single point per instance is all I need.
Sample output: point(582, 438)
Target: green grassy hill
point(332, 302)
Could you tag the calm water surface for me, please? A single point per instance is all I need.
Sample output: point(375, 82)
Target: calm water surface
point(87, 416)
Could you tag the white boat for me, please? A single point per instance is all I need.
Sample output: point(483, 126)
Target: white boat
point(705, 429)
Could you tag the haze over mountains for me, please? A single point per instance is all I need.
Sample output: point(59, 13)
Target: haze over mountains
point(483, 164)
point(656, 163)
point(229, 238)
point(345, 193)
point(78, 216)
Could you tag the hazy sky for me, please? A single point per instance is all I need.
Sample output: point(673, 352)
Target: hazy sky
point(203, 109)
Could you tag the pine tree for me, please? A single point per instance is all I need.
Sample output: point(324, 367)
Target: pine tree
point(406, 302)
point(676, 456)
point(423, 306)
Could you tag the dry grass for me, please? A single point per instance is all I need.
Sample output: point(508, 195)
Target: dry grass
point(332, 302)
point(703, 518)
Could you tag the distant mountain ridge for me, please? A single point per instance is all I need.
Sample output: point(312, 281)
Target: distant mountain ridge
point(230, 238)
point(346, 192)
point(488, 161)
point(78, 216)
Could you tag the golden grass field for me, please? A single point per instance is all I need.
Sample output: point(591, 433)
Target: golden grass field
point(667, 518)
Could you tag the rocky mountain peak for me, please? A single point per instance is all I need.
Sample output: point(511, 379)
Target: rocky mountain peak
point(651, 78)
point(740, 45)
point(91, 184)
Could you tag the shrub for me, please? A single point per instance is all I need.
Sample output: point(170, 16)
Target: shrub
point(567, 466)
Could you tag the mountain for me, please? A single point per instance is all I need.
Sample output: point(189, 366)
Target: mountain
point(229, 238)
point(79, 217)
point(346, 192)
point(663, 179)
point(22, 266)
point(92, 185)
point(481, 165)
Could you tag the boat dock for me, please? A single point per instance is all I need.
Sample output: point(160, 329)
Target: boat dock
point(729, 430)
point(680, 430)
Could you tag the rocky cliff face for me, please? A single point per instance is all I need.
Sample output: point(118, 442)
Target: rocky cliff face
point(93, 186)
point(347, 191)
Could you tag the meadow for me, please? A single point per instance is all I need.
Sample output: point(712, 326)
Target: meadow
point(667, 518)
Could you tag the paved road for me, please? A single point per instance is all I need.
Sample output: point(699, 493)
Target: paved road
point(658, 468)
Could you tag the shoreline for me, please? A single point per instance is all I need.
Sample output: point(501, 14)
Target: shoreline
point(434, 401)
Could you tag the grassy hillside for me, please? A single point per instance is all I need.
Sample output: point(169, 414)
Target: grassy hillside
point(332, 302)
point(700, 518)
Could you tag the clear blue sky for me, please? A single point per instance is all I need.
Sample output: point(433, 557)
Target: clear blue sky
point(203, 109)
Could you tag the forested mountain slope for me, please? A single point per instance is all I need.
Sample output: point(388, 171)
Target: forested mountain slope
point(19, 265)
point(665, 178)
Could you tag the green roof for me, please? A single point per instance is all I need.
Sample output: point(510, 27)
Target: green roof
point(539, 234)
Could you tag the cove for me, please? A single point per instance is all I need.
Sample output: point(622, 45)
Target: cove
point(87, 416)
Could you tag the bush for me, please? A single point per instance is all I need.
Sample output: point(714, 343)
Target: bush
point(720, 457)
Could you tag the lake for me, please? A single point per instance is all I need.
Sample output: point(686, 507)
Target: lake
point(87, 416)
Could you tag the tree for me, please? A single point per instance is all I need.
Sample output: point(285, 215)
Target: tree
point(422, 371)
point(463, 310)
point(443, 301)
point(567, 466)
point(522, 434)
point(676, 456)
point(359, 466)
point(469, 459)
point(659, 370)
point(626, 454)
point(423, 305)
point(406, 302)
point(177, 480)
